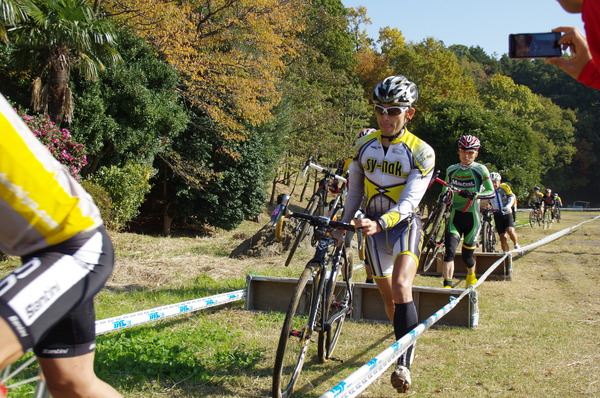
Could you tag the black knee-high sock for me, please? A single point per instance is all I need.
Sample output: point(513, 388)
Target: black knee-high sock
point(405, 319)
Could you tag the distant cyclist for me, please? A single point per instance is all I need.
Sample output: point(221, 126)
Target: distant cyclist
point(557, 200)
point(548, 202)
point(473, 180)
point(502, 206)
point(535, 199)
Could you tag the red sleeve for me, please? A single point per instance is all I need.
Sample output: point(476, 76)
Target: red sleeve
point(590, 13)
point(590, 75)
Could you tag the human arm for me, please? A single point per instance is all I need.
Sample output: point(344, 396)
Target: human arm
point(486, 190)
point(411, 196)
point(580, 65)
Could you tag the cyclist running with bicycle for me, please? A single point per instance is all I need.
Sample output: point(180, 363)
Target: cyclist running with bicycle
point(502, 206)
point(473, 181)
point(46, 305)
point(392, 168)
point(535, 199)
point(548, 202)
point(557, 200)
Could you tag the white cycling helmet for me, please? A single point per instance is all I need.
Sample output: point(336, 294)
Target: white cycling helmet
point(495, 176)
point(396, 90)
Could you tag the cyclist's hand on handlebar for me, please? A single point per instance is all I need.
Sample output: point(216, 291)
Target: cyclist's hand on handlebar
point(368, 226)
point(465, 193)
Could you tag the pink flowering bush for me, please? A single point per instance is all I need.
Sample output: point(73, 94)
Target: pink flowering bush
point(59, 142)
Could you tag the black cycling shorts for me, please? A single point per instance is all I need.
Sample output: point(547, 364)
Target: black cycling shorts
point(48, 301)
point(504, 221)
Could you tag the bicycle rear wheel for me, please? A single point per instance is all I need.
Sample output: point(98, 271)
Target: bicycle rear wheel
point(432, 237)
point(302, 228)
point(295, 336)
point(337, 305)
point(488, 237)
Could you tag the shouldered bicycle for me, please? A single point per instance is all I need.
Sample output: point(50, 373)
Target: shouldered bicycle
point(435, 224)
point(320, 303)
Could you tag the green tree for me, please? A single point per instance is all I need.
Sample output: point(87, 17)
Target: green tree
point(199, 183)
point(553, 127)
point(505, 141)
point(133, 111)
point(49, 38)
point(435, 69)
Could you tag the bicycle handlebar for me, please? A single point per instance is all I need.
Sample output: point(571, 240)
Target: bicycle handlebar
point(322, 221)
point(435, 178)
point(320, 170)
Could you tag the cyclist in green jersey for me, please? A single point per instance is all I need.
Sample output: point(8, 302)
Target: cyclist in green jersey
point(473, 181)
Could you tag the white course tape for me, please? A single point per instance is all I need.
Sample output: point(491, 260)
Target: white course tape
point(138, 318)
point(365, 375)
point(552, 237)
point(358, 381)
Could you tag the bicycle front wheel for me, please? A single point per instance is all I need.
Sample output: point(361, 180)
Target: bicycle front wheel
point(295, 336)
point(547, 218)
point(337, 305)
point(488, 237)
point(557, 214)
point(532, 218)
point(432, 237)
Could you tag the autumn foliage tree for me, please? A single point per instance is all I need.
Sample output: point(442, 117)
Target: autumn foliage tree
point(230, 53)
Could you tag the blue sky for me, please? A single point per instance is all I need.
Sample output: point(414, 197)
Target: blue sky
point(484, 23)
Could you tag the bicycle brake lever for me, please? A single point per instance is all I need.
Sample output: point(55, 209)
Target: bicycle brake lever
point(306, 166)
point(358, 216)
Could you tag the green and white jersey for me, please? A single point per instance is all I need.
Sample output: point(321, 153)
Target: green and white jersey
point(474, 178)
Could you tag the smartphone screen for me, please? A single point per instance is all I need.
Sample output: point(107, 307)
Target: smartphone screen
point(534, 45)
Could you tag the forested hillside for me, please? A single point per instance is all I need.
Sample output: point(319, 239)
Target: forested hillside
point(188, 110)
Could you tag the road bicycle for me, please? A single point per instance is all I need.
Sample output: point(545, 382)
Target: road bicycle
point(435, 224)
point(318, 203)
point(321, 301)
point(535, 216)
point(488, 235)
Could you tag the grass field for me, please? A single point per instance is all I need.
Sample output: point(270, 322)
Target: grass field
point(538, 335)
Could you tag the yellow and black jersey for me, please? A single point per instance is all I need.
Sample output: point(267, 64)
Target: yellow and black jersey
point(393, 180)
point(41, 204)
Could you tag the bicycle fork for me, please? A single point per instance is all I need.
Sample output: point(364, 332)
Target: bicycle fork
point(315, 307)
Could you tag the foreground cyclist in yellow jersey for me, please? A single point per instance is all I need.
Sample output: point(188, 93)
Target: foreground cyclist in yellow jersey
point(392, 168)
point(473, 181)
point(46, 305)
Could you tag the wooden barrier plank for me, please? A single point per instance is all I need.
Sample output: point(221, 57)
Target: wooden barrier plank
point(483, 262)
point(274, 293)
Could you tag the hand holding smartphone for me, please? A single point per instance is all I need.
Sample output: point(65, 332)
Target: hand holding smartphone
point(534, 45)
